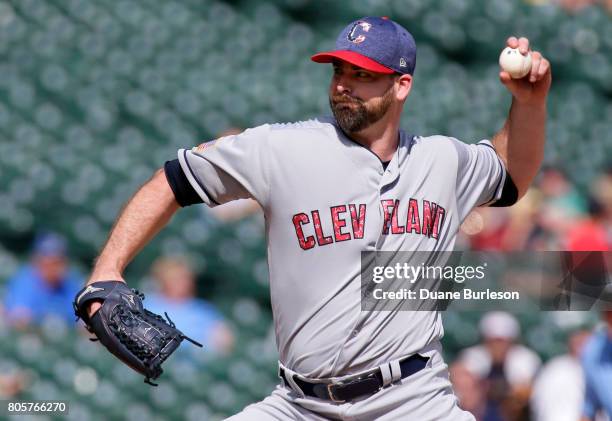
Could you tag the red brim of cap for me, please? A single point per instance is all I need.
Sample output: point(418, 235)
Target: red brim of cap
point(353, 58)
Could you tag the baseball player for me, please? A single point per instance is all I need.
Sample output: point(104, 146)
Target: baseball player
point(332, 188)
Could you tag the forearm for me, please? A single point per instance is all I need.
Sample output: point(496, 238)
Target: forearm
point(520, 143)
point(149, 210)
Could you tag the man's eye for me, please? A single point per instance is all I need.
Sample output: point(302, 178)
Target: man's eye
point(363, 75)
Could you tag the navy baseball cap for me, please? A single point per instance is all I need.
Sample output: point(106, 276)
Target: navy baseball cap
point(374, 43)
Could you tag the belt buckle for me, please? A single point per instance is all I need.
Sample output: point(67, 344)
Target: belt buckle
point(331, 393)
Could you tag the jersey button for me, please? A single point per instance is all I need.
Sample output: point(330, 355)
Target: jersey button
point(354, 333)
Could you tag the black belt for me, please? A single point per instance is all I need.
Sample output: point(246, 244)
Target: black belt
point(368, 384)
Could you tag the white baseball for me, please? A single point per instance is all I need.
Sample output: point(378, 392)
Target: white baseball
point(512, 61)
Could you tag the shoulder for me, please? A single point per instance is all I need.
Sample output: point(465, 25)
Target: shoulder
point(476, 359)
point(473, 351)
point(434, 143)
point(523, 355)
point(437, 150)
point(432, 140)
point(564, 362)
point(276, 131)
point(322, 124)
point(449, 141)
point(594, 346)
point(301, 135)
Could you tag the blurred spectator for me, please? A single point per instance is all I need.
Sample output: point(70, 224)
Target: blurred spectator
point(562, 204)
point(506, 367)
point(494, 225)
point(470, 392)
point(553, 215)
point(558, 391)
point(523, 231)
point(601, 189)
point(589, 233)
point(12, 384)
point(559, 193)
point(44, 287)
point(195, 317)
point(505, 229)
point(597, 365)
point(573, 6)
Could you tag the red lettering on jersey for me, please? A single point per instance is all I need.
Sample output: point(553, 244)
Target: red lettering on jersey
point(388, 211)
point(439, 222)
point(339, 223)
point(299, 220)
point(430, 211)
point(321, 238)
point(396, 228)
point(358, 220)
point(413, 223)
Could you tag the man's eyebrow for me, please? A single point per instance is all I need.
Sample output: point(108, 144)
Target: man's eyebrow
point(361, 69)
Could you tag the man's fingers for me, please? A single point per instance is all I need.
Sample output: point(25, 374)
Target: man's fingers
point(512, 42)
point(544, 67)
point(523, 45)
point(507, 80)
point(504, 77)
point(536, 59)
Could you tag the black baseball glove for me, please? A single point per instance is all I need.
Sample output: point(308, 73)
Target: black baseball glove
point(141, 339)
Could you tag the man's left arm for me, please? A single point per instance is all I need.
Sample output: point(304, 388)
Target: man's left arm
point(520, 143)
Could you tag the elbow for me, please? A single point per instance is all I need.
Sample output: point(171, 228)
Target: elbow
point(523, 178)
point(162, 186)
point(522, 186)
point(522, 191)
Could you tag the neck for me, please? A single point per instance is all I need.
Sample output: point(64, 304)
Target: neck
point(382, 137)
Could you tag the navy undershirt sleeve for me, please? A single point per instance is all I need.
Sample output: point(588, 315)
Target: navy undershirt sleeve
point(509, 194)
point(184, 193)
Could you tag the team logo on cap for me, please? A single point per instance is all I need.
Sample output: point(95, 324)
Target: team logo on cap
point(353, 35)
point(403, 62)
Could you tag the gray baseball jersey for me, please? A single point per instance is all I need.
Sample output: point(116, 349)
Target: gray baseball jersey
point(326, 199)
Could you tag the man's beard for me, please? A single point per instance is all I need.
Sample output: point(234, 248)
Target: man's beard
point(355, 118)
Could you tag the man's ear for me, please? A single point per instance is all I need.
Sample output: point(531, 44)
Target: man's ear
point(404, 83)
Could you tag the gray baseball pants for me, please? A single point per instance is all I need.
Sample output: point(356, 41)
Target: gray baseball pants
point(424, 396)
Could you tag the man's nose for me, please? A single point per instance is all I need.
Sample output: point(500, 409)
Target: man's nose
point(342, 86)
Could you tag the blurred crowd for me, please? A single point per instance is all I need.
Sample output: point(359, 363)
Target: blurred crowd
point(574, 6)
point(553, 215)
point(501, 379)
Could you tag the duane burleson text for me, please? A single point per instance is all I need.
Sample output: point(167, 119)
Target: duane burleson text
point(425, 294)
